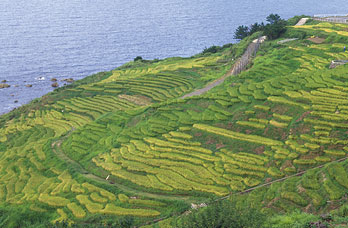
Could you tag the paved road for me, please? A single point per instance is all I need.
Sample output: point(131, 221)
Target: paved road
point(302, 21)
point(237, 68)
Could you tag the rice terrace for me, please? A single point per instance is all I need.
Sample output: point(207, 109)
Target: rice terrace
point(125, 149)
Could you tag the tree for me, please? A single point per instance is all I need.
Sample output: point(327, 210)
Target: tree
point(256, 27)
point(241, 32)
point(138, 58)
point(273, 18)
point(276, 26)
point(274, 31)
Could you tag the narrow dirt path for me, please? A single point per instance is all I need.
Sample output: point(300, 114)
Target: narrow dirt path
point(56, 147)
point(237, 68)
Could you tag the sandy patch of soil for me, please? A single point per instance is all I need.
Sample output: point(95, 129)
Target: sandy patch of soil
point(316, 40)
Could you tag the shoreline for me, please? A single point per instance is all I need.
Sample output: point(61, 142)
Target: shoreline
point(48, 88)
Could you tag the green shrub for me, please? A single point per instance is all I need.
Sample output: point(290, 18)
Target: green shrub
point(138, 58)
point(262, 107)
point(304, 162)
point(295, 198)
point(237, 135)
point(310, 180)
point(292, 220)
point(316, 198)
point(55, 201)
point(337, 153)
point(251, 124)
point(212, 49)
point(273, 171)
point(338, 173)
point(333, 190)
point(342, 211)
point(77, 211)
point(116, 210)
point(282, 117)
point(322, 159)
point(223, 214)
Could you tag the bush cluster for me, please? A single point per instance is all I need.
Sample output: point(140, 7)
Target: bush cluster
point(273, 30)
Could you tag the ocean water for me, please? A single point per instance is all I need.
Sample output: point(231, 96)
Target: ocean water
point(75, 38)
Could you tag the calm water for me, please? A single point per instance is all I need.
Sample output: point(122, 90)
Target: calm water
point(75, 38)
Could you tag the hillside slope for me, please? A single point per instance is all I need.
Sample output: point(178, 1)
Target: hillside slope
point(123, 143)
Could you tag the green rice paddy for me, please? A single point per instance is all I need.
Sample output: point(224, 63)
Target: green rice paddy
point(131, 147)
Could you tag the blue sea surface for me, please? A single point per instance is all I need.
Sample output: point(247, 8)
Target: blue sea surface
point(76, 38)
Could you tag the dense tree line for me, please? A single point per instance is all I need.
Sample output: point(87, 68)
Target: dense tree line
point(275, 27)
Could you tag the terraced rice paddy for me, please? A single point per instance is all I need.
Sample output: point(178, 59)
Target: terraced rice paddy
point(285, 115)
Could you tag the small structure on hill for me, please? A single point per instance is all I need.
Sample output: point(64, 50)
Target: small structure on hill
point(335, 18)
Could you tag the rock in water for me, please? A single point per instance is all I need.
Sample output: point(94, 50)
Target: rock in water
point(4, 85)
point(28, 85)
point(53, 80)
point(55, 84)
point(70, 80)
